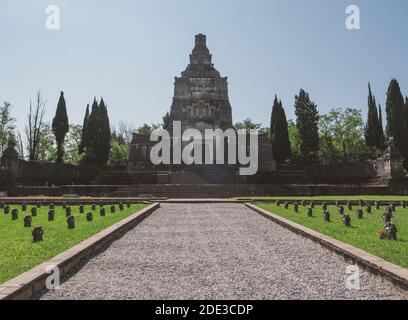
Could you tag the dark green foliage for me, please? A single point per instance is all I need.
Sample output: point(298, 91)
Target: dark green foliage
point(381, 143)
point(328, 153)
point(396, 118)
point(279, 132)
point(60, 127)
point(92, 128)
point(103, 145)
point(96, 136)
point(166, 121)
point(406, 111)
point(307, 124)
point(83, 143)
point(373, 129)
point(275, 108)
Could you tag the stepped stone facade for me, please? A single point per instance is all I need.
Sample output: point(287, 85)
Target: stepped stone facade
point(200, 102)
point(201, 94)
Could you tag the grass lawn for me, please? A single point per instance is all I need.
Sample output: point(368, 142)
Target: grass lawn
point(363, 234)
point(19, 254)
point(368, 198)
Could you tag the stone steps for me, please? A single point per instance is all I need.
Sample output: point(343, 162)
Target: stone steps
point(249, 190)
point(175, 191)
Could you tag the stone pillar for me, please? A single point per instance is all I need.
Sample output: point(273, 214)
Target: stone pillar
point(9, 166)
point(391, 165)
point(267, 163)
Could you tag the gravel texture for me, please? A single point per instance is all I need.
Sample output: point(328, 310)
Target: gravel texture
point(216, 251)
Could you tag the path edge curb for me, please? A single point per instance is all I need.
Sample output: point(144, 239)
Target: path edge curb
point(30, 283)
point(380, 267)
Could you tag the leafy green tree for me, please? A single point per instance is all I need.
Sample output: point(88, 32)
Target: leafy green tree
point(396, 118)
point(328, 153)
point(60, 127)
point(47, 150)
point(307, 125)
point(344, 129)
point(121, 138)
point(265, 131)
point(72, 142)
point(248, 125)
point(147, 129)
point(372, 130)
point(294, 139)
point(123, 133)
point(7, 126)
point(279, 132)
point(118, 155)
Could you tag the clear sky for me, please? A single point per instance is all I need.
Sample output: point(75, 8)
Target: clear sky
point(129, 52)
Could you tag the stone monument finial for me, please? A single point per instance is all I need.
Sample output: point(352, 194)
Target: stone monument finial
point(201, 54)
point(201, 40)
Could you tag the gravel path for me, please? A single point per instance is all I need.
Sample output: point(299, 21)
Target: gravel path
point(216, 251)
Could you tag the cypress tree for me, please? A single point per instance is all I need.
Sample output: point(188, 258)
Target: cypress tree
point(372, 129)
point(60, 127)
point(396, 118)
point(96, 135)
point(105, 135)
point(406, 111)
point(280, 132)
point(307, 124)
point(90, 135)
point(273, 117)
point(83, 143)
point(381, 144)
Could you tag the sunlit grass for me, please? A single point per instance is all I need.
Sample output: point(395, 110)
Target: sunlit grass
point(316, 198)
point(19, 254)
point(363, 234)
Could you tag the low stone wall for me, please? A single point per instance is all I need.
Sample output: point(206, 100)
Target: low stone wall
point(40, 174)
point(34, 174)
point(343, 173)
point(50, 179)
point(210, 191)
point(244, 190)
point(81, 190)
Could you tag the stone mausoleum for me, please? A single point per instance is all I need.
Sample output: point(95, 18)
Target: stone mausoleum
point(200, 102)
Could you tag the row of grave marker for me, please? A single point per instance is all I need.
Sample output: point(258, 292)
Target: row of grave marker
point(38, 232)
point(389, 232)
point(350, 203)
